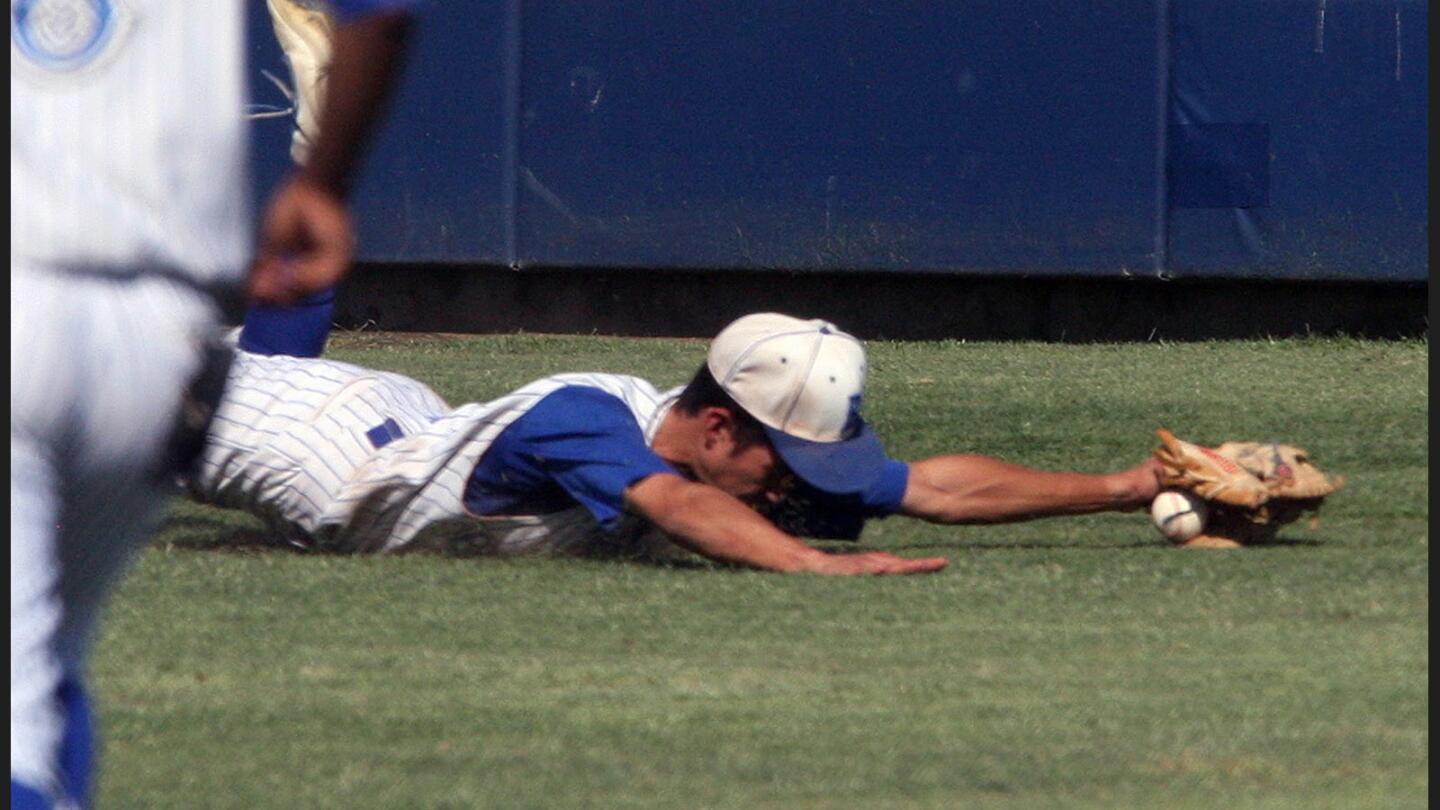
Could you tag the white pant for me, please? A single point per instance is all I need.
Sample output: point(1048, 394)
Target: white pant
point(97, 368)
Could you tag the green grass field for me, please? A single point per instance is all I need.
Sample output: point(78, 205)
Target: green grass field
point(1076, 662)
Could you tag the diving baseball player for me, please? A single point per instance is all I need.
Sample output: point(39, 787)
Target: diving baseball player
point(127, 159)
point(338, 457)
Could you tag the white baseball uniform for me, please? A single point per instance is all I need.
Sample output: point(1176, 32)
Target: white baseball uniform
point(355, 460)
point(128, 214)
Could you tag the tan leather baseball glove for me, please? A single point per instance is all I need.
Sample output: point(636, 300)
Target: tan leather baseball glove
point(1252, 488)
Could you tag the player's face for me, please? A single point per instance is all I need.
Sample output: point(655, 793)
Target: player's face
point(746, 467)
point(753, 474)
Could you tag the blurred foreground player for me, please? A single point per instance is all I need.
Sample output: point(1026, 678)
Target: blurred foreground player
point(127, 150)
point(766, 442)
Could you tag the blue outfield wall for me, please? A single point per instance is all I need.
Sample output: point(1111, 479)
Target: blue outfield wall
point(1178, 138)
point(1298, 144)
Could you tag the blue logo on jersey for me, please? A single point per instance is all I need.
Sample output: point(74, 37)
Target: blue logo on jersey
point(64, 35)
point(384, 433)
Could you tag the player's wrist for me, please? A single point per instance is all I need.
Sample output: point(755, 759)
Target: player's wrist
point(813, 561)
point(1132, 488)
point(315, 180)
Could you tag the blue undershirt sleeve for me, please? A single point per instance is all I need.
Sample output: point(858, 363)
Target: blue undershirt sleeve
point(579, 441)
point(885, 496)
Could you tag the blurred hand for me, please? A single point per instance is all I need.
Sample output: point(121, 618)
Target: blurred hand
point(306, 244)
point(874, 562)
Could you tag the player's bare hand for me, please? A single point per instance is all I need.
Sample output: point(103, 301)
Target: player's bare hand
point(306, 244)
point(1140, 484)
point(874, 562)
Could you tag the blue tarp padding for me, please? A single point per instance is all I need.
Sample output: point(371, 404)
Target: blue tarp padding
point(1264, 138)
point(1341, 87)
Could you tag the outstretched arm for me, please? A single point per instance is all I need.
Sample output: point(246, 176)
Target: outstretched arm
point(978, 489)
point(714, 524)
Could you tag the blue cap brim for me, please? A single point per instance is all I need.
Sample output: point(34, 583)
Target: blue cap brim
point(839, 468)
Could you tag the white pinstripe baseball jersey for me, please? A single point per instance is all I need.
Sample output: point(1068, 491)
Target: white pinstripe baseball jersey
point(292, 443)
point(131, 155)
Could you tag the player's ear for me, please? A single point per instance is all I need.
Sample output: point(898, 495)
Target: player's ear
point(719, 426)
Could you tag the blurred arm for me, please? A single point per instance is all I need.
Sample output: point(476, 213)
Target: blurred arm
point(367, 58)
point(306, 239)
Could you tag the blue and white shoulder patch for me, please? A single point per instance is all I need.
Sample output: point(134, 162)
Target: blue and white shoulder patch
point(67, 36)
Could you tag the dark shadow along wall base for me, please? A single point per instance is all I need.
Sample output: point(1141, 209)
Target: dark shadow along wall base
point(885, 305)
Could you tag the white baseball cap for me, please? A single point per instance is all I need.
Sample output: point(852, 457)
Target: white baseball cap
point(803, 381)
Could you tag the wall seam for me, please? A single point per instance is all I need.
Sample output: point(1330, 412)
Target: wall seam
point(1162, 138)
point(510, 157)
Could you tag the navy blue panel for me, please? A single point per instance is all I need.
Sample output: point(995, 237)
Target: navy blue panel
point(1012, 137)
point(1219, 166)
point(1342, 88)
point(431, 187)
point(950, 136)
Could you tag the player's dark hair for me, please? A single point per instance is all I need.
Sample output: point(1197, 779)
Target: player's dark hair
point(704, 392)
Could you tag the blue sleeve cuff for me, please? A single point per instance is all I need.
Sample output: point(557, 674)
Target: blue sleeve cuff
point(889, 491)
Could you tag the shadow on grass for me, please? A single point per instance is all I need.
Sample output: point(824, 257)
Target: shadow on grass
point(1287, 542)
point(216, 533)
point(1002, 546)
point(207, 533)
point(961, 547)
